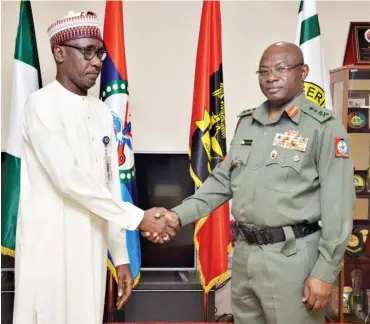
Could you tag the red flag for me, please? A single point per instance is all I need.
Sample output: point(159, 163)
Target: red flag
point(207, 146)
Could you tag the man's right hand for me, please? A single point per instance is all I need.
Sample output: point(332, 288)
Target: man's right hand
point(153, 222)
point(155, 237)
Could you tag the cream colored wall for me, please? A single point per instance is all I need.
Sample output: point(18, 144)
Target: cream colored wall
point(161, 42)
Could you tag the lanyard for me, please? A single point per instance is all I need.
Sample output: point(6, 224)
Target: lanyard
point(107, 163)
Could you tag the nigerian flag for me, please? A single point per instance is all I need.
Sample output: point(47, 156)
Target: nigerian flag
point(26, 79)
point(317, 85)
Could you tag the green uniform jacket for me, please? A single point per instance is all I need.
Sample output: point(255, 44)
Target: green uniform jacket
point(273, 184)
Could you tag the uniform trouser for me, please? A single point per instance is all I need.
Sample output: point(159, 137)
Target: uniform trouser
point(268, 281)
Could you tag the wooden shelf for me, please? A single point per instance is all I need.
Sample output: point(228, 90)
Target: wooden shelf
point(350, 82)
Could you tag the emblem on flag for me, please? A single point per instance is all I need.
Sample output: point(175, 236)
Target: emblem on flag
point(114, 92)
point(207, 146)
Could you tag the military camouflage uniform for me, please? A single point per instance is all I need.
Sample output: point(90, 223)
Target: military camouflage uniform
point(292, 170)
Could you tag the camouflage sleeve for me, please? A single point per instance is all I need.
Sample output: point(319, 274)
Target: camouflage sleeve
point(214, 192)
point(337, 197)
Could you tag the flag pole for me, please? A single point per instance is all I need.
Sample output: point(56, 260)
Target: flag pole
point(205, 306)
point(110, 297)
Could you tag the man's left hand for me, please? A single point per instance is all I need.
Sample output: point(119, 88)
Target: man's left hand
point(317, 293)
point(125, 283)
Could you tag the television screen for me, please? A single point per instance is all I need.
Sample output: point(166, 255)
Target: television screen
point(163, 180)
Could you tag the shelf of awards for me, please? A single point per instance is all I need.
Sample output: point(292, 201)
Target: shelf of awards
point(353, 284)
point(350, 86)
point(350, 91)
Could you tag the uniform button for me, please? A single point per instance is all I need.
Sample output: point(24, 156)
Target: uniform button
point(93, 139)
point(128, 226)
point(283, 160)
point(249, 200)
point(88, 117)
point(265, 133)
point(255, 167)
point(242, 211)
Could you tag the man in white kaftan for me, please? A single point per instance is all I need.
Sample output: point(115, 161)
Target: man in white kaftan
point(70, 209)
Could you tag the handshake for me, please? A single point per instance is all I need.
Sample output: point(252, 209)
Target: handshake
point(159, 225)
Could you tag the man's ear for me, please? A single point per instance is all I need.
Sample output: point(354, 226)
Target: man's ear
point(59, 54)
point(304, 72)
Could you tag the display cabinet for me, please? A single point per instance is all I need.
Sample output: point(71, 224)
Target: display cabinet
point(350, 89)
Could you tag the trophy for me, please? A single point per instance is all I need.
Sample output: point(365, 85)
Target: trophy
point(357, 304)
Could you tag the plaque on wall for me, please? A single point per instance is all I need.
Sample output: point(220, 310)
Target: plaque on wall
point(362, 41)
point(358, 120)
point(360, 181)
point(358, 44)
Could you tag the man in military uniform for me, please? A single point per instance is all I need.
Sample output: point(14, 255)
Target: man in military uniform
point(287, 169)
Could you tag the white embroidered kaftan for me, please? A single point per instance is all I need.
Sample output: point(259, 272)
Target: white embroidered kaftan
point(67, 216)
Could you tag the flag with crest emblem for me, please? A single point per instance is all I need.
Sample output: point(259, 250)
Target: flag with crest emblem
point(114, 92)
point(207, 145)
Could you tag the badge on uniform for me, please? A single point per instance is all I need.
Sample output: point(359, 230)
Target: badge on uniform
point(273, 154)
point(292, 111)
point(341, 147)
point(291, 139)
point(107, 163)
point(248, 142)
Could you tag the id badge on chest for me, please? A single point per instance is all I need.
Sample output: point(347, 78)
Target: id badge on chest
point(107, 163)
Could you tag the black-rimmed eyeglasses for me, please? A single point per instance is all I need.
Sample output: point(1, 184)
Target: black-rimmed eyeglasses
point(90, 52)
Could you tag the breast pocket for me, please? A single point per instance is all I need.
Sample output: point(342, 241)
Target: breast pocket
point(239, 162)
point(282, 170)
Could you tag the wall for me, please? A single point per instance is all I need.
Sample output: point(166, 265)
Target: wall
point(161, 42)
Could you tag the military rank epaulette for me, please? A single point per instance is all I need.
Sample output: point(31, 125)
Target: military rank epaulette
point(320, 114)
point(246, 112)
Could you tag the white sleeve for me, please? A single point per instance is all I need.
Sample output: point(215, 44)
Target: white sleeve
point(117, 245)
point(47, 137)
point(117, 239)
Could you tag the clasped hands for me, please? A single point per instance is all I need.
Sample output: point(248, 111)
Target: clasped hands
point(159, 225)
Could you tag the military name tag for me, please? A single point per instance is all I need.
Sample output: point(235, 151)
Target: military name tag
point(291, 140)
point(246, 142)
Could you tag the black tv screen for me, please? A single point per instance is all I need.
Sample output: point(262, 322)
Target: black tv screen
point(163, 180)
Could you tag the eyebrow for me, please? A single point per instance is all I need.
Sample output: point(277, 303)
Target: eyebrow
point(278, 63)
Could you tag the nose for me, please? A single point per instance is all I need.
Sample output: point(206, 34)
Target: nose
point(272, 77)
point(95, 62)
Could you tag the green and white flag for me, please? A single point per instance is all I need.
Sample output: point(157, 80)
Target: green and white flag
point(26, 79)
point(317, 85)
